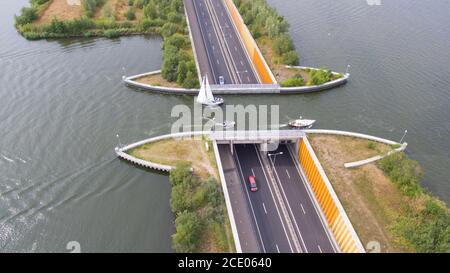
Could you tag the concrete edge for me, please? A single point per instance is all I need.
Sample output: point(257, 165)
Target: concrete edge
point(335, 197)
point(237, 242)
point(131, 81)
point(375, 158)
point(121, 153)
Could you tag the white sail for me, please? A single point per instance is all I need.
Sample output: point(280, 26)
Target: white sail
point(208, 91)
point(202, 94)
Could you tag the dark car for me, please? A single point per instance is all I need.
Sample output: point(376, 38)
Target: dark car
point(252, 182)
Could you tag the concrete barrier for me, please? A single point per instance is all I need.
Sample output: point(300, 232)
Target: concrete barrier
point(335, 215)
point(243, 89)
point(264, 72)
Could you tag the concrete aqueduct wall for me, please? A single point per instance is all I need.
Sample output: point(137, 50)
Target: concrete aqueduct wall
point(253, 51)
point(334, 213)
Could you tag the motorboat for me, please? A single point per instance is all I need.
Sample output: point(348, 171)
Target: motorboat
point(301, 123)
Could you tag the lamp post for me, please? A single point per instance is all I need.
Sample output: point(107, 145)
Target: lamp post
point(120, 143)
point(401, 140)
point(275, 156)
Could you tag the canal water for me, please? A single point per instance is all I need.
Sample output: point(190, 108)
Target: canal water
point(63, 102)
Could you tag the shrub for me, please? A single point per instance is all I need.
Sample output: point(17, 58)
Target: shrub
point(291, 58)
point(187, 233)
point(90, 6)
point(130, 15)
point(371, 145)
point(293, 82)
point(168, 29)
point(180, 173)
point(130, 2)
point(405, 173)
point(27, 16)
point(191, 80)
point(112, 33)
point(283, 44)
point(320, 76)
point(107, 12)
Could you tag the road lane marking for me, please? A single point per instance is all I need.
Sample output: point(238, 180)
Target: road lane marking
point(301, 205)
point(248, 199)
point(235, 48)
point(288, 174)
point(242, 63)
point(314, 202)
point(264, 207)
point(218, 61)
point(277, 248)
point(253, 172)
point(319, 248)
point(295, 225)
point(273, 197)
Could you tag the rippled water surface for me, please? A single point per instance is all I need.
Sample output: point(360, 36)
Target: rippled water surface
point(63, 104)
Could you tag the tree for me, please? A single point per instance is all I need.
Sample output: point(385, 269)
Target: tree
point(181, 72)
point(291, 58)
point(283, 44)
point(27, 16)
point(181, 172)
point(191, 80)
point(187, 233)
point(168, 29)
point(150, 11)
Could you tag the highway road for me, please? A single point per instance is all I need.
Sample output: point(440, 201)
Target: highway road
point(264, 208)
point(218, 47)
point(271, 224)
point(309, 227)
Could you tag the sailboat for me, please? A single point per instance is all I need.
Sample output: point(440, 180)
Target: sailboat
point(205, 96)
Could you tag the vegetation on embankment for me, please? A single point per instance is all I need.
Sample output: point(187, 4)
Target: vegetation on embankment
point(197, 199)
point(384, 201)
point(113, 18)
point(270, 30)
point(201, 220)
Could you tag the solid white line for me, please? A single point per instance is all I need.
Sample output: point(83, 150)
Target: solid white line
point(273, 197)
point(288, 174)
point(319, 248)
point(264, 207)
point(301, 205)
point(277, 248)
point(248, 197)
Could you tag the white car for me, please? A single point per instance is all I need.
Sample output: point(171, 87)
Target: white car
point(221, 80)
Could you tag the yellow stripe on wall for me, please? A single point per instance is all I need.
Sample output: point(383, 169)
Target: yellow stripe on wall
point(332, 214)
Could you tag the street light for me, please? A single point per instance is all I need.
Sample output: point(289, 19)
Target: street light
point(406, 131)
point(275, 156)
point(120, 144)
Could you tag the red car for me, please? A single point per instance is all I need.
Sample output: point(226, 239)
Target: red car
point(252, 182)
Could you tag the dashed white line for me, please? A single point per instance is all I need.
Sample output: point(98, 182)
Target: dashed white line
point(318, 246)
point(304, 212)
point(253, 173)
point(288, 174)
point(277, 248)
point(264, 207)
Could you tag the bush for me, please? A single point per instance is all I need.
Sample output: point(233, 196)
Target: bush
point(293, 82)
point(180, 173)
point(187, 233)
point(168, 29)
point(283, 44)
point(130, 15)
point(90, 6)
point(405, 173)
point(291, 58)
point(112, 33)
point(321, 76)
point(27, 16)
point(371, 145)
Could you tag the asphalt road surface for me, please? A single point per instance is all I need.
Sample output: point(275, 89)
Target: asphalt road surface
point(271, 227)
point(307, 223)
point(218, 46)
